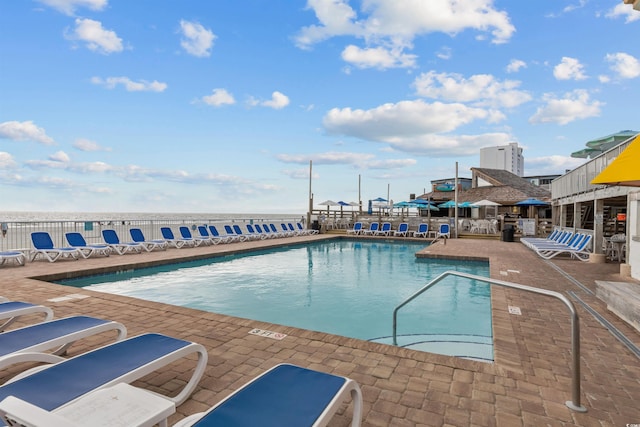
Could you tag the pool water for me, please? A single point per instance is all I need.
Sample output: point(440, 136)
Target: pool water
point(342, 287)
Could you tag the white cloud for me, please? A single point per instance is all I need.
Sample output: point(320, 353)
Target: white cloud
point(7, 161)
point(403, 119)
point(515, 65)
point(625, 65)
point(480, 89)
point(572, 106)
point(96, 38)
point(278, 101)
point(622, 10)
point(197, 40)
point(130, 85)
point(327, 158)
point(397, 23)
point(83, 144)
point(569, 69)
point(60, 156)
point(219, 97)
point(444, 53)
point(378, 57)
point(69, 7)
point(24, 131)
point(302, 173)
point(358, 160)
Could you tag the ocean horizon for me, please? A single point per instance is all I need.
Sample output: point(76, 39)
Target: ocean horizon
point(38, 216)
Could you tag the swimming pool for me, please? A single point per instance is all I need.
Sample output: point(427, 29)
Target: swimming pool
point(344, 287)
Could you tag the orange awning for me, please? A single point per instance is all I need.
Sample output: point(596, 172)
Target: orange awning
point(625, 169)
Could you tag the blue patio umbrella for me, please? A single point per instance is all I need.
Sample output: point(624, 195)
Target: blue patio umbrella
point(448, 204)
point(531, 201)
point(380, 199)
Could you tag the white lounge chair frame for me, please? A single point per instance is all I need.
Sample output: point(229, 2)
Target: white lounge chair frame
point(59, 344)
point(22, 309)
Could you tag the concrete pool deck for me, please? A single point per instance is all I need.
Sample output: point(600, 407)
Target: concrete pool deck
point(526, 386)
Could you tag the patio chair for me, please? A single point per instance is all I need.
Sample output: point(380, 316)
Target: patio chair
point(186, 235)
point(423, 230)
point(385, 229)
point(148, 245)
point(444, 231)
point(264, 230)
point(238, 231)
point(231, 232)
point(275, 231)
point(167, 234)
point(44, 247)
point(403, 230)
point(204, 234)
point(286, 231)
point(581, 250)
point(373, 227)
point(285, 395)
point(32, 343)
point(77, 240)
point(305, 231)
point(10, 311)
point(253, 233)
point(121, 362)
point(223, 238)
point(111, 238)
point(15, 256)
point(357, 228)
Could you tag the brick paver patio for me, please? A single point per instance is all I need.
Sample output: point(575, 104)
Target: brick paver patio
point(526, 386)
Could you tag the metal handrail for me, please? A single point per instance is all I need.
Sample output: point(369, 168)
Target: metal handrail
point(574, 403)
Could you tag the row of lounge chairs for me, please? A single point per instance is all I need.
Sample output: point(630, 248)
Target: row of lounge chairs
point(561, 242)
point(384, 229)
point(67, 391)
point(207, 235)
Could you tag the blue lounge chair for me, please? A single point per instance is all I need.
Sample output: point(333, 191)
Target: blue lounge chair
point(148, 245)
point(423, 230)
point(15, 256)
point(204, 234)
point(190, 239)
point(223, 238)
point(121, 362)
point(285, 230)
point(44, 247)
point(580, 250)
point(231, 232)
point(444, 231)
point(308, 231)
point(373, 228)
point(167, 234)
point(285, 395)
point(238, 231)
point(77, 240)
point(253, 233)
point(385, 229)
point(111, 238)
point(403, 230)
point(264, 231)
point(10, 311)
point(275, 231)
point(357, 228)
point(32, 343)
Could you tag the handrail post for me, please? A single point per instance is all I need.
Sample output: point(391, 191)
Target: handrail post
point(574, 403)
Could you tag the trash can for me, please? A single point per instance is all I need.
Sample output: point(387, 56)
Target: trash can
point(507, 233)
point(315, 225)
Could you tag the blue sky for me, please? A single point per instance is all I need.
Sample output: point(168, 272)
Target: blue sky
point(218, 106)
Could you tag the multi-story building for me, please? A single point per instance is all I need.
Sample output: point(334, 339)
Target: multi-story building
point(504, 157)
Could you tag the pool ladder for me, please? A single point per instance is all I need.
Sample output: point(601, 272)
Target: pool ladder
point(574, 403)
